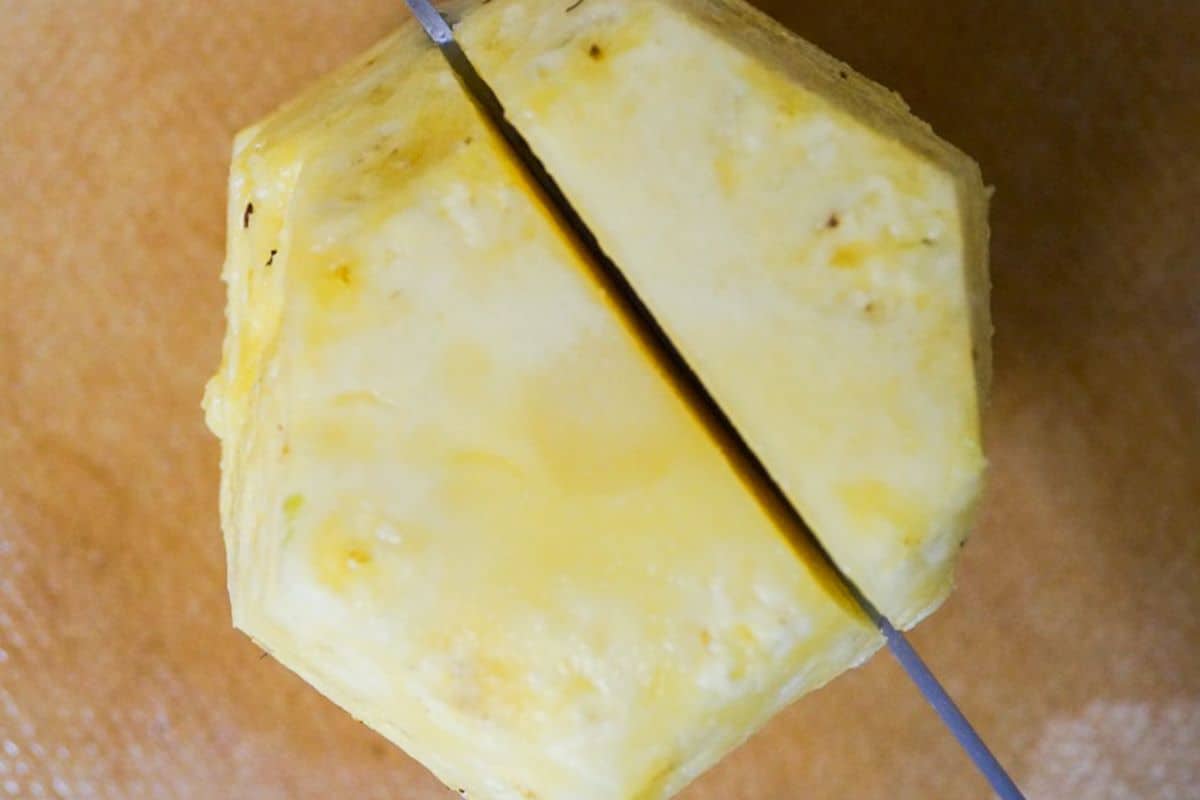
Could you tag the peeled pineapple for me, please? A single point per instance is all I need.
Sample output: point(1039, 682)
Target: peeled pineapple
point(816, 252)
point(457, 496)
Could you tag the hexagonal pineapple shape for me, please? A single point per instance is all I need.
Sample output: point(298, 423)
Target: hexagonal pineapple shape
point(815, 251)
point(456, 497)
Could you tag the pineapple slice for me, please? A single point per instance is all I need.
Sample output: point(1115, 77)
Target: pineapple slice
point(815, 251)
point(457, 498)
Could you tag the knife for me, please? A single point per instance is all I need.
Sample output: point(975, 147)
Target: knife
point(687, 383)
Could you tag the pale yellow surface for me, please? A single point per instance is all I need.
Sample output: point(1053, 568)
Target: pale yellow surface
point(816, 252)
point(456, 496)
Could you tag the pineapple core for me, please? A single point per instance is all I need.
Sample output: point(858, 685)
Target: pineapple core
point(458, 497)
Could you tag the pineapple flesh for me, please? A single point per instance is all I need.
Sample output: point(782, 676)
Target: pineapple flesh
point(461, 501)
point(814, 250)
point(457, 497)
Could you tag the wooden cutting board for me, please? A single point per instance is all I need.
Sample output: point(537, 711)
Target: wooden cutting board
point(1073, 639)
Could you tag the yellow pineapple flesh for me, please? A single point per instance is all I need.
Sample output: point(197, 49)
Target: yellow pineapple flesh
point(815, 251)
point(457, 497)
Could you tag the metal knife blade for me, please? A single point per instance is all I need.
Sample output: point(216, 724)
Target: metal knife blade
point(670, 360)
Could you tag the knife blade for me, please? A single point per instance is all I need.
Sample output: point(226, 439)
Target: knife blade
point(638, 318)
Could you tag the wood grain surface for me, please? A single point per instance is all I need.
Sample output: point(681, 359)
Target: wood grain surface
point(1073, 639)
